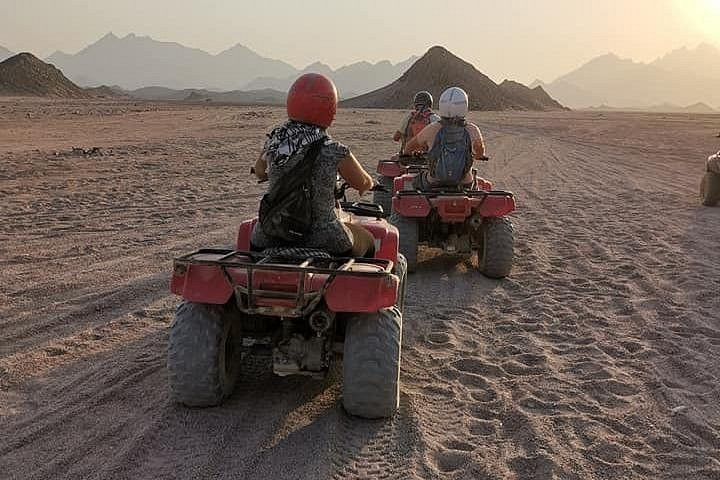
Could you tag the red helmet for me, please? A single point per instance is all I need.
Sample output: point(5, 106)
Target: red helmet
point(312, 99)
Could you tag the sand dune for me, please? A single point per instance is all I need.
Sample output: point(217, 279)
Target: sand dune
point(596, 359)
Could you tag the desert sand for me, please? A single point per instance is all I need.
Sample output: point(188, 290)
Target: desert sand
point(596, 359)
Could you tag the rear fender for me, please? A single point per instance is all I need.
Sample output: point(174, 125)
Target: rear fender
point(201, 284)
point(389, 168)
point(385, 234)
point(403, 183)
point(362, 294)
point(411, 206)
point(483, 184)
point(497, 206)
point(245, 234)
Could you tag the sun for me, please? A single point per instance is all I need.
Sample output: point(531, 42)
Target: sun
point(703, 16)
point(713, 5)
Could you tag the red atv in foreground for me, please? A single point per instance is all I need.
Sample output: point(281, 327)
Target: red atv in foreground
point(457, 220)
point(303, 304)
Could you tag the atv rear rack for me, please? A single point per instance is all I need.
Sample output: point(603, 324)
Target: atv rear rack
point(455, 193)
point(251, 262)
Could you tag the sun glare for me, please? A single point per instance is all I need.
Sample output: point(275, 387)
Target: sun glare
point(702, 15)
point(713, 6)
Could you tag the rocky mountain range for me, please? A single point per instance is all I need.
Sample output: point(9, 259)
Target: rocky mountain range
point(682, 77)
point(134, 62)
point(439, 69)
point(351, 80)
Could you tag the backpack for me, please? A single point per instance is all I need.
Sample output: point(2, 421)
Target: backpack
point(286, 209)
point(451, 155)
point(418, 121)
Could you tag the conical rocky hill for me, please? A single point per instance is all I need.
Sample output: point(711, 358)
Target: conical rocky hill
point(26, 75)
point(439, 69)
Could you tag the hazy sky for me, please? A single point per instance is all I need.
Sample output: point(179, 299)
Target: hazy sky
point(518, 39)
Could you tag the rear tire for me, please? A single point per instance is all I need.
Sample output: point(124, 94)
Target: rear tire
point(203, 357)
point(710, 189)
point(496, 255)
point(408, 239)
point(384, 199)
point(371, 364)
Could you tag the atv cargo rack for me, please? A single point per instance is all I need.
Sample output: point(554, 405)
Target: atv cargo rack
point(439, 192)
point(247, 266)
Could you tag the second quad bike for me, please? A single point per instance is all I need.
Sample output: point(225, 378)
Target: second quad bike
point(388, 170)
point(710, 183)
point(458, 220)
point(304, 305)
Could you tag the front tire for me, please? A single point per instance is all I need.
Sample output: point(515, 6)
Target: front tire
point(408, 232)
point(497, 252)
point(371, 364)
point(384, 199)
point(203, 355)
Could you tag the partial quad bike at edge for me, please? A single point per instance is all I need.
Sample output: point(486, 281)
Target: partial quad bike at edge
point(458, 220)
point(710, 183)
point(304, 305)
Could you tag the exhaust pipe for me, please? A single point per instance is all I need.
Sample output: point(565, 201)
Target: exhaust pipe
point(321, 320)
point(475, 221)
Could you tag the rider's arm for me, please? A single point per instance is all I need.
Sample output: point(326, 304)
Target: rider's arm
point(478, 145)
point(397, 136)
point(261, 167)
point(354, 174)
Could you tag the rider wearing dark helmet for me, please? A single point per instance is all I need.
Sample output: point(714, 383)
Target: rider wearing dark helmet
point(311, 107)
point(413, 122)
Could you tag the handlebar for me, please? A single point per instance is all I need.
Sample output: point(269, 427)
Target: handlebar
point(340, 191)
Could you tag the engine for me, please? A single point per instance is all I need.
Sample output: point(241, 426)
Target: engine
point(306, 345)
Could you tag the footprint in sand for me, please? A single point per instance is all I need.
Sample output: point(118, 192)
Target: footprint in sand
point(538, 467)
point(476, 366)
point(451, 460)
point(55, 351)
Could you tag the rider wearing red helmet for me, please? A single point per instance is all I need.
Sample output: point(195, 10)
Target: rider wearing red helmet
point(311, 108)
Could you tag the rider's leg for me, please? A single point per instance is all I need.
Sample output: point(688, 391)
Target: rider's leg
point(363, 241)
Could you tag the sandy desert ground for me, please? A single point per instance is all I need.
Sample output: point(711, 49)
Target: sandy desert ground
point(597, 359)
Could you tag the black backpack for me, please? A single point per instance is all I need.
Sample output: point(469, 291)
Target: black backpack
point(286, 209)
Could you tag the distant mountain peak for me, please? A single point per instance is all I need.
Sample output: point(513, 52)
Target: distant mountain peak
point(25, 74)
point(5, 53)
point(707, 47)
point(238, 46)
point(439, 69)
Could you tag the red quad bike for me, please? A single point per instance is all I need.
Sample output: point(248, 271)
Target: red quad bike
point(305, 305)
point(388, 170)
point(458, 220)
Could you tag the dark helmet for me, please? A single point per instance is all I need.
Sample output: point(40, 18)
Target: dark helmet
point(423, 100)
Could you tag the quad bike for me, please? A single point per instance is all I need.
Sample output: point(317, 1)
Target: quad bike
point(388, 170)
point(458, 220)
point(710, 183)
point(305, 305)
